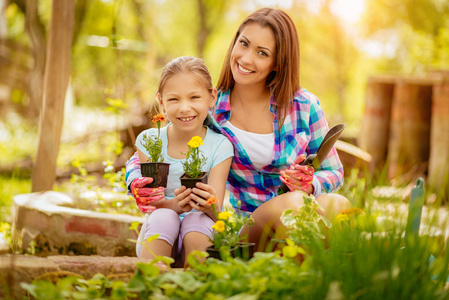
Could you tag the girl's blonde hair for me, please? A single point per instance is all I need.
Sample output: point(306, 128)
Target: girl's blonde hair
point(182, 64)
point(284, 82)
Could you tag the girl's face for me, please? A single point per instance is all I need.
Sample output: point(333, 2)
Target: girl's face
point(253, 55)
point(186, 101)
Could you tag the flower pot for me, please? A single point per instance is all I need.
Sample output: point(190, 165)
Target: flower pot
point(190, 182)
point(244, 251)
point(158, 171)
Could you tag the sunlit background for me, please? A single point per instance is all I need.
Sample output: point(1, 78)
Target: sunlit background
point(120, 46)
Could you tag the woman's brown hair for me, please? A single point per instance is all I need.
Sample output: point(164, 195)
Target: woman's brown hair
point(284, 82)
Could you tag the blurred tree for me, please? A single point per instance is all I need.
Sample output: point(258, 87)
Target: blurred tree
point(57, 73)
point(26, 74)
point(418, 29)
point(329, 58)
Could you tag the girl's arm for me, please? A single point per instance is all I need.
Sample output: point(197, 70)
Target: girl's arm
point(216, 186)
point(163, 203)
point(132, 171)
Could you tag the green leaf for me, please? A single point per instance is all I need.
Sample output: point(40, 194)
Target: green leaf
point(134, 226)
point(326, 221)
point(148, 270)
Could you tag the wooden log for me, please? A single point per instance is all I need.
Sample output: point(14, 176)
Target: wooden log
point(438, 176)
point(352, 157)
point(375, 128)
point(56, 79)
point(410, 127)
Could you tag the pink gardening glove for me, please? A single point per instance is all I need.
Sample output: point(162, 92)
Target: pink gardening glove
point(298, 177)
point(145, 195)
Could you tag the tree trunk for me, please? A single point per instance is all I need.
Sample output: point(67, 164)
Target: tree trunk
point(36, 34)
point(56, 78)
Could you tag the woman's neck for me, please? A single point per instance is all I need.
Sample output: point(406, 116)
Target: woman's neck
point(250, 109)
point(251, 97)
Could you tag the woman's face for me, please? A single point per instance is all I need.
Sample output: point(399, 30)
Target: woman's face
point(253, 55)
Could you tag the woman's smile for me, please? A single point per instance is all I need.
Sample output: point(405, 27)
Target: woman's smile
point(243, 69)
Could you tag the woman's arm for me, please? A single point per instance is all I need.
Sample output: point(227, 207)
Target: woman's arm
point(329, 177)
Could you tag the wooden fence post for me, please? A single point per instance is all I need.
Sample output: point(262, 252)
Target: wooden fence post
point(438, 177)
point(410, 127)
point(375, 129)
point(56, 78)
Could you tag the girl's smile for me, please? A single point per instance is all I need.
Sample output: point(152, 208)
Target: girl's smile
point(186, 102)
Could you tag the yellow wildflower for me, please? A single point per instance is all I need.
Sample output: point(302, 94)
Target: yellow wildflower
point(219, 226)
point(340, 218)
point(224, 215)
point(4, 227)
point(195, 142)
point(291, 250)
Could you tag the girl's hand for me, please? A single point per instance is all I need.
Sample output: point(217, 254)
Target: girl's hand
point(299, 177)
point(182, 196)
point(199, 197)
point(145, 195)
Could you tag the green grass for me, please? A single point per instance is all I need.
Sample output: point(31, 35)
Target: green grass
point(9, 187)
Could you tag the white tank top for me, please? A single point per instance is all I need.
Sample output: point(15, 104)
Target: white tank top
point(259, 147)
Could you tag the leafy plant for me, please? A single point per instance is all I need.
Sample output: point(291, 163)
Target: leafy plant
point(303, 224)
point(227, 228)
point(195, 159)
point(154, 144)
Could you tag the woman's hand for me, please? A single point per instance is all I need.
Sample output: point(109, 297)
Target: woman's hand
point(299, 177)
point(145, 195)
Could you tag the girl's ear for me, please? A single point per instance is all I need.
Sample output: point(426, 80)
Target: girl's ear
point(213, 98)
point(161, 103)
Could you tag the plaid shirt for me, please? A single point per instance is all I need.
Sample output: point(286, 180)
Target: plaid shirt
point(303, 130)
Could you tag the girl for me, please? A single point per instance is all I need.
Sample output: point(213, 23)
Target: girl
point(273, 124)
point(185, 94)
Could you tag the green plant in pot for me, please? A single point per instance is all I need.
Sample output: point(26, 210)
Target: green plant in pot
point(193, 164)
point(227, 240)
point(155, 166)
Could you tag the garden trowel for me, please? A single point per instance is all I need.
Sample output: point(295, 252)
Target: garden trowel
point(317, 158)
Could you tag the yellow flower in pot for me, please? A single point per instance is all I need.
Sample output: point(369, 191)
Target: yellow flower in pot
point(226, 235)
point(193, 164)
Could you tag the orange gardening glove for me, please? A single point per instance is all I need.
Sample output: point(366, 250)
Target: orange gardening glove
point(297, 176)
point(145, 195)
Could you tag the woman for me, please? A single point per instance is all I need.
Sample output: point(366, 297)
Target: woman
point(273, 124)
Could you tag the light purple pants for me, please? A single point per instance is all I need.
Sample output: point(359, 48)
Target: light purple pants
point(168, 224)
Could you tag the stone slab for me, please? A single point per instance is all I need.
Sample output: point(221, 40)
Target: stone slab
point(15, 269)
point(58, 229)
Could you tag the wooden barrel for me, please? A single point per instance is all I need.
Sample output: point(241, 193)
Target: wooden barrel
point(408, 146)
point(375, 127)
point(438, 176)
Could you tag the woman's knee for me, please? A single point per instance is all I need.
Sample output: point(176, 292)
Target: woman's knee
point(333, 204)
